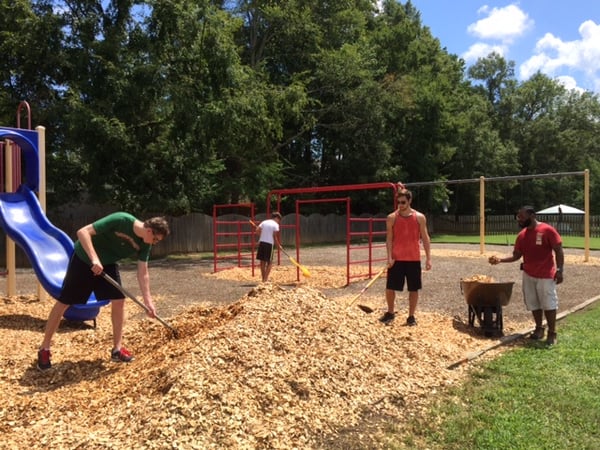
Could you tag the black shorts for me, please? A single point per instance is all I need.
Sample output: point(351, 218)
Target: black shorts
point(404, 270)
point(80, 282)
point(264, 252)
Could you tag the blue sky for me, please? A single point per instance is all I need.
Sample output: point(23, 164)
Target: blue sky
point(559, 38)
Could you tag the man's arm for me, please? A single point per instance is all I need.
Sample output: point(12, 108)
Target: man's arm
point(143, 277)
point(389, 237)
point(84, 235)
point(497, 260)
point(276, 239)
point(425, 239)
point(560, 261)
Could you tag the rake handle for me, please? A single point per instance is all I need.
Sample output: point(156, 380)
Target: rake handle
point(368, 285)
point(125, 292)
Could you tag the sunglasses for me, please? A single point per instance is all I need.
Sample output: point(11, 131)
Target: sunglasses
point(402, 202)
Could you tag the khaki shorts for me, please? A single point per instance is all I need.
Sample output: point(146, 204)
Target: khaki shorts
point(539, 293)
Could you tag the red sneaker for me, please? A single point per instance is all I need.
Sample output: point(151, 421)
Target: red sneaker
point(43, 362)
point(121, 355)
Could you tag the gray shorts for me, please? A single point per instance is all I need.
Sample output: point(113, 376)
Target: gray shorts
point(539, 293)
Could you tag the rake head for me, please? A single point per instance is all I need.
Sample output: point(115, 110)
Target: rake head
point(365, 308)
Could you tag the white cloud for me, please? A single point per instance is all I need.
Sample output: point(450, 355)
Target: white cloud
point(481, 50)
point(569, 83)
point(502, 24)
point(554, 54)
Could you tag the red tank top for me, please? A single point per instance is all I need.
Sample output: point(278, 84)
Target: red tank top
point(406, 241)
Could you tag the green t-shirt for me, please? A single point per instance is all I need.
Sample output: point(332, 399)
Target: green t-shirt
point(115, 240)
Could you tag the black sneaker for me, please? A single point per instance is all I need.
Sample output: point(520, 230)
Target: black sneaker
point(411, 321)
point(387, 318)
point(122, 355)
point(538, 334)
point(43, 362)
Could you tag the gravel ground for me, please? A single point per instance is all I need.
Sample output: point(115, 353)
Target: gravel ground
point(179, 283)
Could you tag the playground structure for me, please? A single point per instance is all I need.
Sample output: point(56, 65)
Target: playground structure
point(25, 223)
point(234, 239)
point(482, 207)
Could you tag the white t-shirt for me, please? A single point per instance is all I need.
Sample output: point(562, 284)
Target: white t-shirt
point(267, 229)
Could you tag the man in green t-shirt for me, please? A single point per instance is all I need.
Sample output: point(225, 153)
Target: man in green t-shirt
point(99, 247)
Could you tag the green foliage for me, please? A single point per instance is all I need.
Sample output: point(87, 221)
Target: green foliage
point(175, 105)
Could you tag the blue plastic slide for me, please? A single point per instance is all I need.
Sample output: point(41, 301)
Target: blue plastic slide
point(47, 247)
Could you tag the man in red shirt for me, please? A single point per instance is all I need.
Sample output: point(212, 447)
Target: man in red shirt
point(406, 228)
point(542, 270)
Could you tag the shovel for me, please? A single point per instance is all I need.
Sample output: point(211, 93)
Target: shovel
point(366, 308)
point(112, 281)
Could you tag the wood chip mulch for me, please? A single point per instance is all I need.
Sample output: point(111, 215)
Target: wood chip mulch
point(280, 368)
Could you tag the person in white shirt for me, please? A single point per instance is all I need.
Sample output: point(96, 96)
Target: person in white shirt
point(269, 236)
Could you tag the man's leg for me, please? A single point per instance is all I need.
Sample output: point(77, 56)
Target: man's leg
point(413, 299)
point(53, 322)
point(538, 317)
point(117, 310)
point(263, 270)
point(268, 266)
point(551, 320)
point(390, 298)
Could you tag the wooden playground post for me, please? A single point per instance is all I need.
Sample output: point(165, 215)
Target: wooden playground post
point(41, 132)
point(11, 276)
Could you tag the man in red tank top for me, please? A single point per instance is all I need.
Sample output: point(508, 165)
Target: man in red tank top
point(540, 245)
point(406, 228)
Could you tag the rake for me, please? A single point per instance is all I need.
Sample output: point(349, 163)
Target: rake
point(114, 282)
point(366, 308)
point(303, 269)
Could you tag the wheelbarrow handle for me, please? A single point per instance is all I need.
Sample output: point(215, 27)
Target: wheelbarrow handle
point(125, 292)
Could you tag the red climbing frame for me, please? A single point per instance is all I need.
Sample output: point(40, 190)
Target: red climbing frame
point(370, 235)
point(233, 240)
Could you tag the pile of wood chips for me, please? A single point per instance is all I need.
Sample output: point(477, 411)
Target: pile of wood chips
point(281, 368)
point(479, 279)
point(320, 276)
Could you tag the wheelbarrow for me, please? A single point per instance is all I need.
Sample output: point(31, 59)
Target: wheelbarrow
point(485, 301)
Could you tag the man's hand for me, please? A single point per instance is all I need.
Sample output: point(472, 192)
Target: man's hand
point(558, 277)
point(97, 267)
point(493, 260)
point(151, 308)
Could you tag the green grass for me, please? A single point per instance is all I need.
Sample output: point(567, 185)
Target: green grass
point(530, 398)
point(509, 239)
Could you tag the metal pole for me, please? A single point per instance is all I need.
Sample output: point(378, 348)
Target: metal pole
point(482, 215)
point(586, 201)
